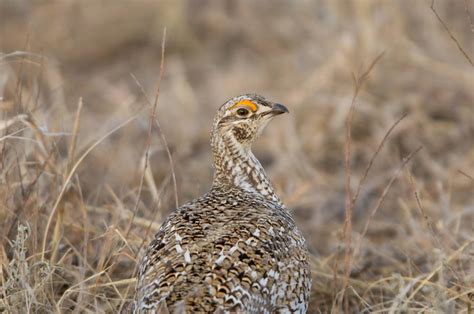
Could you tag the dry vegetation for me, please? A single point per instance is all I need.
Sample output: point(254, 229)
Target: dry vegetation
point(85, 183)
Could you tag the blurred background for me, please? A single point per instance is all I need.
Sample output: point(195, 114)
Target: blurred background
point(72, 71)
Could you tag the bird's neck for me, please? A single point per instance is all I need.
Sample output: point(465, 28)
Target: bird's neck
point(236, 166)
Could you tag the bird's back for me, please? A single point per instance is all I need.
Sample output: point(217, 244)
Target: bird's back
point(229, 250)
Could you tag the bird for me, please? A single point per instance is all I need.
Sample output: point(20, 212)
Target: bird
point(235, 249)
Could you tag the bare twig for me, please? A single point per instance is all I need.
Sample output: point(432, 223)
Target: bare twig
point(468, 13)
point(349, 205)
point(384, 194)
point(154, 120)
point(371, 162)
point(466, 175)
point(423, 213)
point(450, 34)
point(157, 123)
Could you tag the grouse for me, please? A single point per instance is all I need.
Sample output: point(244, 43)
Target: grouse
point(237, 247)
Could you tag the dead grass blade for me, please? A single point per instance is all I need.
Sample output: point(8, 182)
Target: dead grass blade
point(8, 123)
point(75, 130)
point(69, 176)
point(437, 269)
point(72, 289)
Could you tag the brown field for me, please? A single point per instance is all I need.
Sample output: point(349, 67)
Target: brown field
point(84, 184)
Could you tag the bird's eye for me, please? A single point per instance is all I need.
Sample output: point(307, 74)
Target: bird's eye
point(242, 112)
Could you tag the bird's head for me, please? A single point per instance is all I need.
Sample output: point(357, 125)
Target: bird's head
point(243, 118)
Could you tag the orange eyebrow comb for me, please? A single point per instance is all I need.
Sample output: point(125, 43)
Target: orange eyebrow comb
point(247, 103)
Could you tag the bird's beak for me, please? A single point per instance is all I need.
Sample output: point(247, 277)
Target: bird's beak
point(278, 109)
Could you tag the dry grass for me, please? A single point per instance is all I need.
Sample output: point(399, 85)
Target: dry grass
point(85, 173)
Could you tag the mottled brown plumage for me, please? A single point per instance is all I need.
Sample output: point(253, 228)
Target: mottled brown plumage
point(236, 248)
